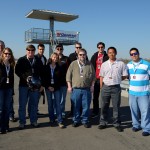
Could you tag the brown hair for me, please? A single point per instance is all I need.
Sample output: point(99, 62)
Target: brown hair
point(11, 60)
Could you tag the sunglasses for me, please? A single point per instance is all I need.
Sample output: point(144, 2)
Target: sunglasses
point(78, 47)
point(133, 54)
point(100, 47)
point(59, 49)
point(81, 54)
point(7, 53)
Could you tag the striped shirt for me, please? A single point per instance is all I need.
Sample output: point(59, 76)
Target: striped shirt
point(112, 72)
point(139, 75)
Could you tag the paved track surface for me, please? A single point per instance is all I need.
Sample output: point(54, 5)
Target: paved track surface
point(80, 138)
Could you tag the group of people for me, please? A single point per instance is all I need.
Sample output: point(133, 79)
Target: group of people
point(83, 78)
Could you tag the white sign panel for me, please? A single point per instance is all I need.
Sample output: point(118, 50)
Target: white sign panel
point(67, 35)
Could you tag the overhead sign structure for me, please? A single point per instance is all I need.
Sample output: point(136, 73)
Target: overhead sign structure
point(54, 16)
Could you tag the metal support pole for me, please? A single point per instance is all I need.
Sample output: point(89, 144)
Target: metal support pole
point(52, 36)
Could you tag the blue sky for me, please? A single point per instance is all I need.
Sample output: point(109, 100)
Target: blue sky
point(120, 23)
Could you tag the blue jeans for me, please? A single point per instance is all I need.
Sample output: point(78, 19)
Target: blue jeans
point(54, 102)
point(5, 100)
point(81, 97)
point(63, 93)
point(11, 109)
point(140, 109)
point(26, 95)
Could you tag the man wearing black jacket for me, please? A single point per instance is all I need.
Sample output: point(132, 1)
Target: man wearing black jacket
point(97, 59)
point(26, 68)
point(64, 63)
point(42, 58)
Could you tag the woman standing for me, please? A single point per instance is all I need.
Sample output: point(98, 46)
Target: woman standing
point(7, 63)
point(52, 85)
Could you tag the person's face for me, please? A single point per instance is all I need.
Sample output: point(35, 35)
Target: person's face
point(81, 56)
point(54, 58)
point(40, 50)
point(59, 50)
point(111, 54)
point(77, 47)
point(134, 55)
point(101, 48)
point(30, 53)
point(6, 55)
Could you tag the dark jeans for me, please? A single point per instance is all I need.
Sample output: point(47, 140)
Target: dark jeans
point(96, 97)
point(11, 109)
point(113, 93)
point(5, 99)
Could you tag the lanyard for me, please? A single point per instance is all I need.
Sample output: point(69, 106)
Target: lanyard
point(7, 69)
point(31, 63)
point(136, 66)
point(81, 68)
point(111, 70)
point(52, 70)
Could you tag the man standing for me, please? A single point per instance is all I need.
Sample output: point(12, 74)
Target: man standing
point(42, 58)
point(112, 73)
point(80, 79)
point(27, 68)
point(97, 59)
point(74, 56)
point(64, 64)
point(139, 75)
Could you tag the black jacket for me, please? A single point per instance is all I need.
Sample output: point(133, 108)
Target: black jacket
point(23, 69)
point(64, 63)
point(73, 57)
point(56, 77)
point(3, 77)
point(45, 60)
point(94, 58)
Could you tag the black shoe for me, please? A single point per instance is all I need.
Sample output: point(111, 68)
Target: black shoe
point(39, 113)
point(135, 129)
point(87, 125)
point(145, 134)
point(12, 119)
point(94, 115)
point(119, 128)
point(3, 132)
point(21, 126)
point(8, 130)
point(35, 125)
point(75, 124)
point(101, 126)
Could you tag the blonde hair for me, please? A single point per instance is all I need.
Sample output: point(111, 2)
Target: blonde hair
point(50, 59)
point(11, 60)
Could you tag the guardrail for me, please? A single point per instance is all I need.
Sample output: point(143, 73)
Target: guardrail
point(125, 85)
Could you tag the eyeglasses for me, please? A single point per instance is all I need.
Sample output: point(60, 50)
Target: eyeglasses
point(59, 49)
point(133, 54)
point(7, 53)
point(30, 50)
point(81, 54)
point(100, 47)
point(78, 47)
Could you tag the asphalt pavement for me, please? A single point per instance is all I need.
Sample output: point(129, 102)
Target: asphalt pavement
point(53, 138)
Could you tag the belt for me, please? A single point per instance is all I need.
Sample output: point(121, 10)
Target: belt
point(112, 85)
